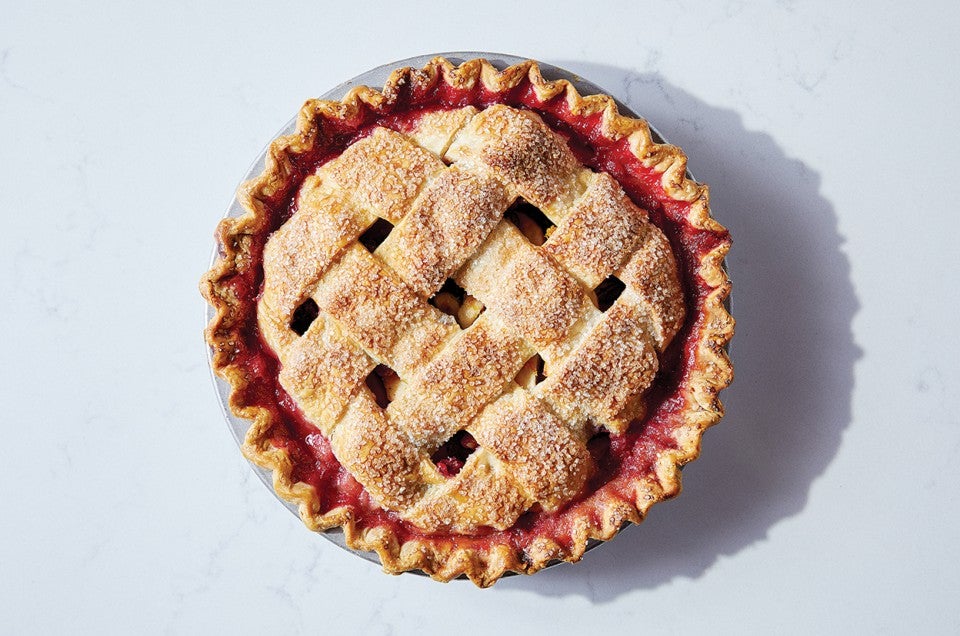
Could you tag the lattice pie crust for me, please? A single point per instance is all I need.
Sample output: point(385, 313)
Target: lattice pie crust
point(446, 185)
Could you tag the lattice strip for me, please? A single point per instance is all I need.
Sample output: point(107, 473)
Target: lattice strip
point(518, 283)
point(436, 130)
point(304, 247)
point(651, 274)
point(517, 147)
point(483, 493)
point(541, 452)
point(378, 455)
point(382, 314)
point(473, 370)
point(599, 233)
point(383, 173)
point(323, 370)
point(607, 374)
point(448, 222)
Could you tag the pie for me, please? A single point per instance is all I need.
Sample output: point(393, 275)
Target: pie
point(475, 319)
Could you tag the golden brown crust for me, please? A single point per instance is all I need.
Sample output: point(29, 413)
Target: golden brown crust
point(615, 363)
point(455, 386)
point(482, 494)
point(324, 373)
point(549, 461)
point(599, 232)
point(446, 225)
point(517, 148)
point(605, 515)
point(382, 174)
point(519, 283)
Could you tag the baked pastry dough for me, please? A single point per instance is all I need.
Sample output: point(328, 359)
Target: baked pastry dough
point(475, 319)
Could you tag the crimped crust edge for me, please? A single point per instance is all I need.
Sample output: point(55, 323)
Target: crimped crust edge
point(442, 559)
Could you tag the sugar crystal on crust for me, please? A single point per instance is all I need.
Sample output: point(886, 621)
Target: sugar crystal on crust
point(545, 457)
point(323, 371)
point(446, 225)
point(615, 363)
point(651, 273)
point(455, 386)
point(377, 454)
point(482, 494)
point(521, 150)
point(600, 231)
point(381, 313)
point(383, 173)
point(303, 248)
point(521, 284)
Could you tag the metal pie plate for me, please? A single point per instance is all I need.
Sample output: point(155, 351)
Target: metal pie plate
point(376, 78)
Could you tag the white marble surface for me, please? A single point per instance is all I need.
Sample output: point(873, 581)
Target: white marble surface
point(827, 500)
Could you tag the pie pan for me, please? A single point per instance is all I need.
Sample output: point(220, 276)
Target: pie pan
point(375, 78)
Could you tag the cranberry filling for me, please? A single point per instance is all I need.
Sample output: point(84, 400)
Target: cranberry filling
point(452, 455)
